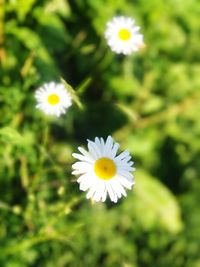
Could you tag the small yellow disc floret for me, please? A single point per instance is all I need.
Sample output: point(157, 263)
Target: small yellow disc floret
point(105, 168)
point(53, 99)
point(124, 34)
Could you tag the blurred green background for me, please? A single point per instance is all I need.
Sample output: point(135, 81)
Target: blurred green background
point(149, 102)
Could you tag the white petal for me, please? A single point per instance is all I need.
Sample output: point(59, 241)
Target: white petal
point(111, 192)
point(122, 155)
point(100, 192)
point(124, 182)
point(85, 185)
point(98, 143)
point(125, 167)
point(108, 145)
point(77, 172)
point(103, 199)
point(82, 166)
point(118, 188)
point(84, 177)
point(83, 158)
point(84, 152)
point(94, 150)
point(115, 149)
point(91, 192)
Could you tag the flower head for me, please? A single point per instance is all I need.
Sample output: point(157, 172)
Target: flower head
point(53, 99)
point(122, 35)
point(102, 172)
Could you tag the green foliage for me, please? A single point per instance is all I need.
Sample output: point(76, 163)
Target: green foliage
point(10, 135)
point(149, 102)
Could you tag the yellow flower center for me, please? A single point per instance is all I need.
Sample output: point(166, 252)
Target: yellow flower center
point(53, 99)
point(124, 34)
point(105, 168)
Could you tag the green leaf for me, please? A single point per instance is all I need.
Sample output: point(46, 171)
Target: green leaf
point(72, 92)
point(22, 7)
point(155, 204)
point(10, 135)
point(58, 6)
point(84, 85)
point(33, 42)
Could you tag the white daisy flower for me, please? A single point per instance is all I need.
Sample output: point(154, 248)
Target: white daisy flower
point(53, 99)
point(122, 35)
point(101, 172)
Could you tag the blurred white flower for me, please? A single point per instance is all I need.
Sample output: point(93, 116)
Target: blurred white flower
point(123, 36)
point(102, 172)
point(53, 99)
